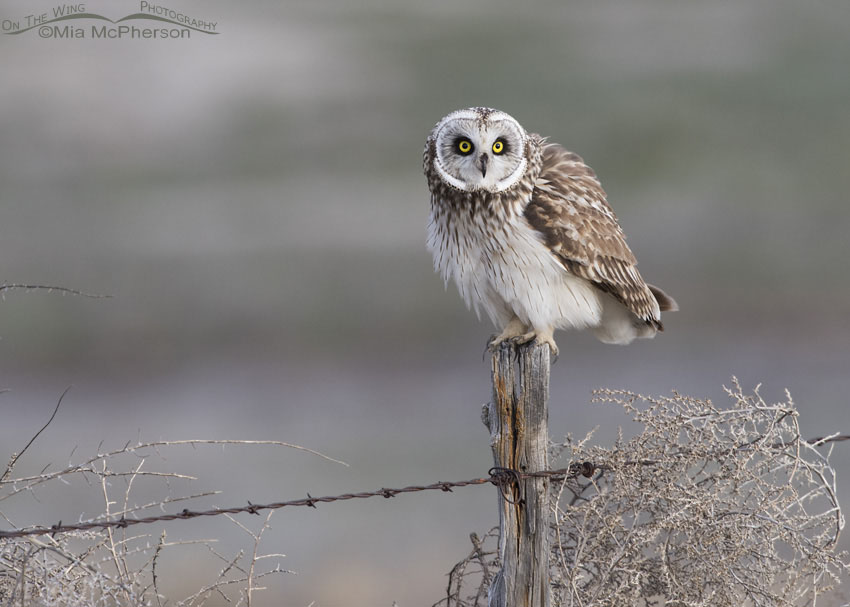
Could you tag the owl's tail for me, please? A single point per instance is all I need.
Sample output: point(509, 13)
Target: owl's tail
point(665, 302)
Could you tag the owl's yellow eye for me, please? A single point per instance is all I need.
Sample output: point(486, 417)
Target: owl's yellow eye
point(464, 146)
point(498, 146)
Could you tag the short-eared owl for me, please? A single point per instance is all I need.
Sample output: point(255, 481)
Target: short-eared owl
point(523, 229)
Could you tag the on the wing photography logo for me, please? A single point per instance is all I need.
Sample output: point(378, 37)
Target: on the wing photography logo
point(72, 21)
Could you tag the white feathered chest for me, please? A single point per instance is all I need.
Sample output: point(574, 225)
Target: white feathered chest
point(501, 265)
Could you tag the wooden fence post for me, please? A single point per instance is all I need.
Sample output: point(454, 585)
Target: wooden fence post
point(518, 422)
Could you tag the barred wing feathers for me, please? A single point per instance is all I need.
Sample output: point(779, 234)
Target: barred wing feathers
point(569, 209)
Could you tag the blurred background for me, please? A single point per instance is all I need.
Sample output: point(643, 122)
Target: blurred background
point(254, 203)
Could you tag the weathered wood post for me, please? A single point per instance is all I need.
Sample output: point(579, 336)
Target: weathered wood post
point(518, 422)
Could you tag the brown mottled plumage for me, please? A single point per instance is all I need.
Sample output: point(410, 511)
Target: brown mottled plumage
point(568, 207)
point(524, 230)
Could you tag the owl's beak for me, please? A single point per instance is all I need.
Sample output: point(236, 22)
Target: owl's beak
point(482, 164)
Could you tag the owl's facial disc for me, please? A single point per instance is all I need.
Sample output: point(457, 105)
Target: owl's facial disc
point(480, 150)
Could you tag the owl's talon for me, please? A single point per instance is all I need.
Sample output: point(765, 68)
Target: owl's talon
point(543, 337)
point(553, 350)
point(546, 338)
point(519, 340)
point(492, 345)
point(496, 341)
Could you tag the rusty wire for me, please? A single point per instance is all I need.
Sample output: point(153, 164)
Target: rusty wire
point(504, 478)
point(501, 477)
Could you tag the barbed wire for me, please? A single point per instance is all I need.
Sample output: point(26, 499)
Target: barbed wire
point(500, 477)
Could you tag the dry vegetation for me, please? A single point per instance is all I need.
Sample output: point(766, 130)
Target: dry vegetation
point(705, 506)
point(122, 566)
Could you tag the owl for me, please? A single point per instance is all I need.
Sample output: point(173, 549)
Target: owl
point(522, 228)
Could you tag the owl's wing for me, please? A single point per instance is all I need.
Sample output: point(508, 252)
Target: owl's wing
point(569, 209)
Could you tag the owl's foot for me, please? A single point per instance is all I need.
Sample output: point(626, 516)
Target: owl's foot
point(543, 337)
point(517, 333)
point(539, 337)
point(514, 330)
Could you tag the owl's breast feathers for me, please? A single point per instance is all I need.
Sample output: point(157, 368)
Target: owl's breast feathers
point(569, 210)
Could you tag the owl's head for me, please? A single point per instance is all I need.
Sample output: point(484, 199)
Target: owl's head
point(479, 149)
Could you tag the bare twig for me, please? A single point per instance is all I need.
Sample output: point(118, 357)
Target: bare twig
point(18, 455)
point(88, 466)
point(156, 554)
point(64, 290)
point(216, 441)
